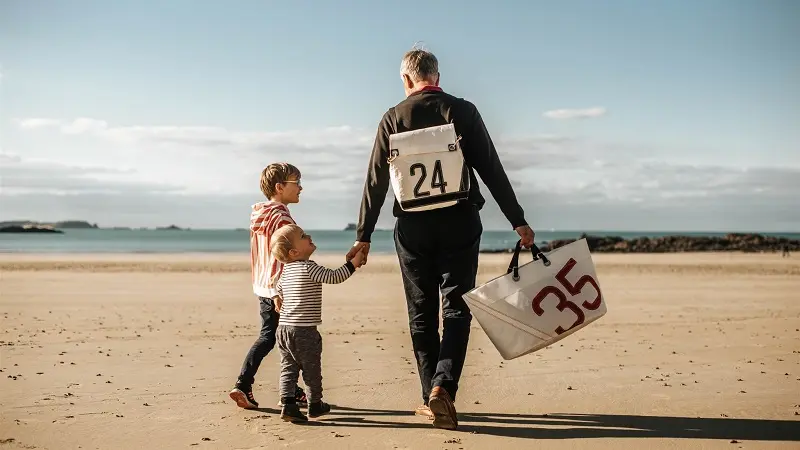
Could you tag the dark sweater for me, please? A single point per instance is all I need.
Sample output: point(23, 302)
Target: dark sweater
point(428, 108)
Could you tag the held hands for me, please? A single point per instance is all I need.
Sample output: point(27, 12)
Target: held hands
point(526, 234)
point(359, 260)
point(358, 248)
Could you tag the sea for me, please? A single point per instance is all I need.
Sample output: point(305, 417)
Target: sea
point(234, 241)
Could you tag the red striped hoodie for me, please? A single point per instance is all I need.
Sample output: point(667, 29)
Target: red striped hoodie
point(265, 218)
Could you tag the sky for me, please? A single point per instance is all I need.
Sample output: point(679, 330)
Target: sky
point(617, 115)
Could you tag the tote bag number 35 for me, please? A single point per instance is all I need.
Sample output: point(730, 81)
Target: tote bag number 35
point(541, 302)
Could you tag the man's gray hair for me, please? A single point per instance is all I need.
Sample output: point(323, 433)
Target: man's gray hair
point(419, 65)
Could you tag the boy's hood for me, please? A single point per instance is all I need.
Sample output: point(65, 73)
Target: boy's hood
point(261, 211)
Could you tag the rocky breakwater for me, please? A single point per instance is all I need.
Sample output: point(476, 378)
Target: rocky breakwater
point(29, 229)
point(733, 242)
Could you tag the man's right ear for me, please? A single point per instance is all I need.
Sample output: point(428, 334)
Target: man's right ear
point(407, 81)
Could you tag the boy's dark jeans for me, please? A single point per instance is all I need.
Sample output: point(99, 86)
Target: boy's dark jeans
point(439, 250)
point(262, 346)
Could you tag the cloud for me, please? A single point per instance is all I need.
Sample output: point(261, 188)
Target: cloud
point(206, 176)
point(204, 136)
point(20, 176)
point(34, 123)
point(584, 113)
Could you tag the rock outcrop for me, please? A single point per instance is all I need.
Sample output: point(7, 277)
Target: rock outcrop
point(28, 229)
point(733, 242)
point(59, 225)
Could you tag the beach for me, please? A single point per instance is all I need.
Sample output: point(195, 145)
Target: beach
point(130, 351)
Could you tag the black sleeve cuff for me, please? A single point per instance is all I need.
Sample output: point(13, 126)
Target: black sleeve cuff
point(519, 222)
point(350, 267)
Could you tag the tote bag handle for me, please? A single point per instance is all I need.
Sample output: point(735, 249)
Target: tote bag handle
point(514, 266)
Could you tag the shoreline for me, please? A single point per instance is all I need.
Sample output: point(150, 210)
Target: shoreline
point(598, 243)
point(494, 264)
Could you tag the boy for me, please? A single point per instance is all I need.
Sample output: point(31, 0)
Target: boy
point(299, 341)
point(280, 183)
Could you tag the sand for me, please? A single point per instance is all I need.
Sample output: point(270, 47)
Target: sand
point(140, 351)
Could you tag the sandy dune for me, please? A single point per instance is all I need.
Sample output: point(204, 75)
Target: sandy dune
point(139, 352)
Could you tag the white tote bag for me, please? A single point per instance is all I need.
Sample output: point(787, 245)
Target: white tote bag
point(539, 303)
point(427, 168)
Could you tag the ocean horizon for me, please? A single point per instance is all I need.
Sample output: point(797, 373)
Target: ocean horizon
point(103, 240)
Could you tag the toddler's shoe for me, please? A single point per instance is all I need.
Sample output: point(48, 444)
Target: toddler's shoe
point(318, 409)
point(292, 413)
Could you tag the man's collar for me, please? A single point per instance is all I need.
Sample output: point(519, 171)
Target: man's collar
point(427, 88)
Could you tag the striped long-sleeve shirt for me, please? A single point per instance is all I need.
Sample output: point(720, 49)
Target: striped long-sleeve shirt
point(265, 218)
point(300, 287)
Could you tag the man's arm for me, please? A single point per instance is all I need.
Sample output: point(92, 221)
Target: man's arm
point(377, 182)
point(484, 159)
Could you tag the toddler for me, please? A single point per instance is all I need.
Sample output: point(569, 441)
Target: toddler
point(299, 341)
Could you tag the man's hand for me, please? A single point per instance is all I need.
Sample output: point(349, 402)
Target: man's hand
point(358, 247)
point(526, 234)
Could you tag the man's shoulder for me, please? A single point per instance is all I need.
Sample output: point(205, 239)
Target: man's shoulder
point(462, 103)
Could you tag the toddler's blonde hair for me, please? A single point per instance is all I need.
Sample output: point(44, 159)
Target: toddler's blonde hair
point(282, 244)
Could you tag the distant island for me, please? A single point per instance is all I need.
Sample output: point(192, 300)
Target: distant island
point(32, 226)
point(64, 225)
point(29, 229)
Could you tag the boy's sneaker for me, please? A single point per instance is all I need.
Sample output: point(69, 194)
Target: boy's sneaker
point(318, 409)
point(299, 398)
point(292, 413)
point(244, 397)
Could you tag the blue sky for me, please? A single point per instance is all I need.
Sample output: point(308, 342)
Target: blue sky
point(144, 113)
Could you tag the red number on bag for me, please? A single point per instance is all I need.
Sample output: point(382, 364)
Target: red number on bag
point(575, 289)
point(562, 303)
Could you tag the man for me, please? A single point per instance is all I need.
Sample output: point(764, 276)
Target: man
point(437, 248)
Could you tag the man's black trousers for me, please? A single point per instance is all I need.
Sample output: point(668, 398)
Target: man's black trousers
point(438, 250)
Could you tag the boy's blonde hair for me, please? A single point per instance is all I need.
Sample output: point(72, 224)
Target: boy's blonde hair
point(276, 173)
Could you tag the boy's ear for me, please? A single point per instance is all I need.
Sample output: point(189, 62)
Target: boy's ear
point(293, 253)
point(278, 188)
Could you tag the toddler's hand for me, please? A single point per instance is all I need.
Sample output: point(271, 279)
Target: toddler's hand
point(358, 260)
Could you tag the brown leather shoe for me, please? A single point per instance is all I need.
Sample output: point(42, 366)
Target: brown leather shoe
point(444, 412)
point(424, 411)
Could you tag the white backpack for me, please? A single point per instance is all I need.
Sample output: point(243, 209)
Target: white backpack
point(427, 168)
